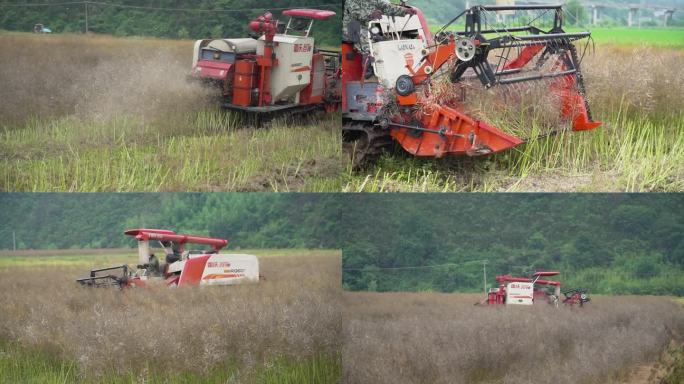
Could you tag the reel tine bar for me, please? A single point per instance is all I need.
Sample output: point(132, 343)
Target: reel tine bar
point(105, 280)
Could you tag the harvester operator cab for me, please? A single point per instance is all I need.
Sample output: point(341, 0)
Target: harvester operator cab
point(301, 20)
point(298, 26)
point(170, 244)
point(173, 250)
point(148, 263)
point(407, 27)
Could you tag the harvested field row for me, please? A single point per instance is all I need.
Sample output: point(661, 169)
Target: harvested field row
point(443, 338)
point(293, 314)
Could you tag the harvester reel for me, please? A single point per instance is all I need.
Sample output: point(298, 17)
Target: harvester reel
point(465, 49)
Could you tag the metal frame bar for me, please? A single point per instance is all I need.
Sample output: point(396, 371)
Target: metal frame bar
point(104, 280)
point(512, 29)
point(308, 29)
point(521, 7)
point(513, 80)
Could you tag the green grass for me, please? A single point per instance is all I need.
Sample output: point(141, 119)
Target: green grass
point(623, 36)
point(629, 153)
point(20, 364)
point(119, 257)
point(207, 151)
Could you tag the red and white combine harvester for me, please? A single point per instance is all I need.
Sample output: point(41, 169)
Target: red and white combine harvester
point(179, 266)
point(279, 72)
point(528, 291)
point(391, 98)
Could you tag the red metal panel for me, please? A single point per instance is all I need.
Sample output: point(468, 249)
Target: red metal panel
point(192, 270)
point(351, 69)
point(526, 55)
point(316, 14)
point(573, 103)
point(136, 282)
point(172, 280)
point(546, 273)
point(267, 26)
point(164, 235)
point(243, 82)
point(136, 232)
point(212, 69)
point(458, 134)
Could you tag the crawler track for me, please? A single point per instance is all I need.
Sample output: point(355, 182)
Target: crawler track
point(364, 142)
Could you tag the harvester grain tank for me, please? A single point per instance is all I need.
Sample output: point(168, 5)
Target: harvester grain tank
point(281, 71)
point(394, 102)
point(179, 266)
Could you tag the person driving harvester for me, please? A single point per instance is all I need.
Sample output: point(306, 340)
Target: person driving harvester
point(357, 15)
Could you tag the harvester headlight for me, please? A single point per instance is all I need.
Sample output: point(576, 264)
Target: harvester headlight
point(465, 49)
point(375, 30)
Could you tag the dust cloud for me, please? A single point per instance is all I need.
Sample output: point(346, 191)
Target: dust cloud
point(95, 76)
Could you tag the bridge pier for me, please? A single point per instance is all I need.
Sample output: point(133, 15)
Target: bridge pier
point(594, 14)
point(668, 16)
point(633, 15)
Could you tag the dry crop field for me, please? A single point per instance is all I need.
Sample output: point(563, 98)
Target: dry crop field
point(444, 338)
point(637, 91)
point(285, 329)
point(99, 113)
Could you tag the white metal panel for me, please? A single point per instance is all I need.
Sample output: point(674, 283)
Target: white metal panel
point(392, 58)
point(226, 269)
point(318, 78)
point(143, 252)
point(176, 267)
point(520, 293)
point(293, 72)
point(195, 52)
point(239, 45)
